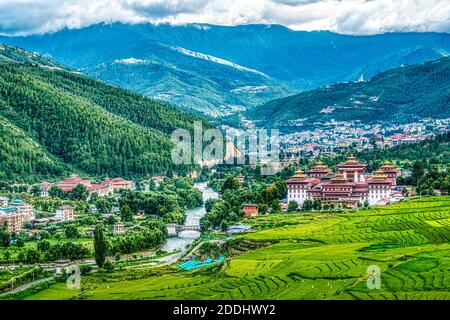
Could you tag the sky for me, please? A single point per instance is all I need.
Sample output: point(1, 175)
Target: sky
point(23, 17)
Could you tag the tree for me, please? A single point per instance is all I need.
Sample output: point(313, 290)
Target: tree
point(79, 193)
point(35, 190)
point(366, 204)
point(292, 206)
point(307, 205)
point(126, 214)
point(111, 220)
point(100, 246)
point(71, 232)
point(224, 225)
point(43, 245)
point(5, 236)
point(32, 256)
point(418, 170)
point(405, 192)
point(316, 205)
point(231, 183)
point(108, 266)
point(103, 205)
point(21, 238)
point(276, 206)
point(7, 255)
point(151, 185)
point(209, 204)
point(56, 192)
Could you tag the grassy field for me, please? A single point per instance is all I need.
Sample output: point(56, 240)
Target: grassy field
point(308, 256)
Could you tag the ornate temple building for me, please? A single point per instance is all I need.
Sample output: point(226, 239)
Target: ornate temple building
point(350, 186)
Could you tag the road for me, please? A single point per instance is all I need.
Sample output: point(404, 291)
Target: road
point(26, 286)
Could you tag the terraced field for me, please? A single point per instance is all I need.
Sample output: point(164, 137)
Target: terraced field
point(311, 256)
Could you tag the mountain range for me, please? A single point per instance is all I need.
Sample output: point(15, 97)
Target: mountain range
point(55, 121)
point(401, 95)
point(218, 70)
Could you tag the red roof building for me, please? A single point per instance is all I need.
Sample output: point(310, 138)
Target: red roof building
point(349, 187)
point(250, 210)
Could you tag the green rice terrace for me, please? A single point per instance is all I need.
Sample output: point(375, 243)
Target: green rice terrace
point(303, 256)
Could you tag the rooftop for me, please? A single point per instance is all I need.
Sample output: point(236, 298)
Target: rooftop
point(16, 202)
point(7, 210)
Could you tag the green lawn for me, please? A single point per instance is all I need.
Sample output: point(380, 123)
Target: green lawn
point(309, 256)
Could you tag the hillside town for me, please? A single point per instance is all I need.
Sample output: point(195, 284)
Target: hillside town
point(328, 138)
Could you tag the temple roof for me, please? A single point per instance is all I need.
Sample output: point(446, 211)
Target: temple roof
point(352, 163)
point(299, 174)
point(389, 167)
point(320, 168)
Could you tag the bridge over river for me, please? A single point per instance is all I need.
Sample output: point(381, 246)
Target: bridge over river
point(175, 229)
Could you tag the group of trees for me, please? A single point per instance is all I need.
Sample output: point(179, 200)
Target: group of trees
point(151, 235)
point(45, 251)
point(227, 210)
point(79, 193)
point(168, 201)
point(426, 160)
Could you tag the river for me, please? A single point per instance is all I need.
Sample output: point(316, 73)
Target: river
point(193, 216)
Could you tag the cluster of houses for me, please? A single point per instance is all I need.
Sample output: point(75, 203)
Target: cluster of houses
point(106, 187)
point(15, 214)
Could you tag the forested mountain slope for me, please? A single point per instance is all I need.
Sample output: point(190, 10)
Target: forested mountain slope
point(400, 95)
point(70, 121)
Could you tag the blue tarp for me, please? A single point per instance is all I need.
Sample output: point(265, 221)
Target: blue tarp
point(195, 264)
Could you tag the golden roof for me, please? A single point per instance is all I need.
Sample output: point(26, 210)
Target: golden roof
point(339, 179)
point(299, 174)
point(320, 165)
point(352, 159)
point(379, 175)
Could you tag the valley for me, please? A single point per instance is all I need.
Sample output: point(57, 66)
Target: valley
point(94, 204)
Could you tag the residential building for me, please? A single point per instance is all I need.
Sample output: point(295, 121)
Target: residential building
point(250, 210)
point(65, 213)
point(45, 187)
point(23, 208)
point(119, 228)
point(241, 179)
point(3, 202)
point(101, 189)
point(119, 184)
point(14, 220)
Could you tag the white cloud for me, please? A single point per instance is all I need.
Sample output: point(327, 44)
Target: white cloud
point(343, 16)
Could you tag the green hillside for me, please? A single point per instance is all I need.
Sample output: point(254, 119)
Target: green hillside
point(96, 128)
point(194, 84)
point(400, 95)
point(306, 256)
point(20, 155)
